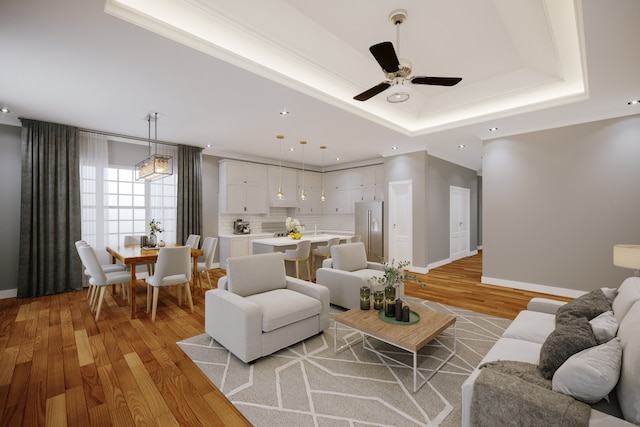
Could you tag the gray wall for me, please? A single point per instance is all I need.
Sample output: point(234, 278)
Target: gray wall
point(432, 178)
point(10, 171)
point(556, 201)
point(210, 199)
point(441, 176)
point(410, 167)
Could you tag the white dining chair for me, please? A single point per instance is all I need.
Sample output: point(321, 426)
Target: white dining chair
point(193, 240)
point(99, 278)
point(298, 255)
point(206, 263)
point(354, 239)
point(323, 251)
point(173, 267)
point(107, 268)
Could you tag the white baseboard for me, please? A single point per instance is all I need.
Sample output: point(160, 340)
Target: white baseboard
point(9, 293)
point(533, 287)
point(449, 260)
point(419, 270)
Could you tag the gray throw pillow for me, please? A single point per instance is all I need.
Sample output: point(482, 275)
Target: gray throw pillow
point(589, 305)
point(565, 341)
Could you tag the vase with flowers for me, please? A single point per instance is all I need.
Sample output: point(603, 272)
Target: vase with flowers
point(394, 274)
point(154, 228)
point(293, 228)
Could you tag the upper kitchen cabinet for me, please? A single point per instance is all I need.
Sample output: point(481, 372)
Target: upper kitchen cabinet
point(367, 184)
point(338, 186)
point(289, 181)
point(243, 187)
point(312, 182)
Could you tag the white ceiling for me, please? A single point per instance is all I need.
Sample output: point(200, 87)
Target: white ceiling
point(220, 71)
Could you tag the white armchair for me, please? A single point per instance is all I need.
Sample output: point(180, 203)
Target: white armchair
point(347, 271)
point(258, 310)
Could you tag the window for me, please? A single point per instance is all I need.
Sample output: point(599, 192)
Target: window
point(130, 205)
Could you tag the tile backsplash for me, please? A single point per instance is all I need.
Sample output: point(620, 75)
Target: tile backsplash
point(341, 223)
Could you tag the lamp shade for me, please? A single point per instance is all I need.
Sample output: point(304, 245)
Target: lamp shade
point(627, 256)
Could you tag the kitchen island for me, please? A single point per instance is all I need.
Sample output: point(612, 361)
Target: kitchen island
point(280, 244)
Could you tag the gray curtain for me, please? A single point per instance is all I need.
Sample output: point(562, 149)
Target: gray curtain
point(50, 210)
point(189, 192)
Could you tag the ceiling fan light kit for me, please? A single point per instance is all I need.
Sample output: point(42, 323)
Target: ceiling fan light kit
point(398, 70)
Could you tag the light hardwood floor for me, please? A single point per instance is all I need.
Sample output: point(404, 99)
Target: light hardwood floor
point(59, 367)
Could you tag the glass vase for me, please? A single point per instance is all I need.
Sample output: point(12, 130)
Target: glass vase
point(389, 301)
point(153, 240)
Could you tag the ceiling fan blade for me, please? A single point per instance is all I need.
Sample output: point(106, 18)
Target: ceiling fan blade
point(386, 56)
point(370, 93)
point(438, 81)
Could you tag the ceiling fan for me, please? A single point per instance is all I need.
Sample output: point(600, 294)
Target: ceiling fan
point(396, 70)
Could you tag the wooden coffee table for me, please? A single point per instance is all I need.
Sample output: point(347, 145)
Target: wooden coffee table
point(407, 337)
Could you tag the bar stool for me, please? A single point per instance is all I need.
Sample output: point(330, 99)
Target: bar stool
point(300, 253)
point(323, 251)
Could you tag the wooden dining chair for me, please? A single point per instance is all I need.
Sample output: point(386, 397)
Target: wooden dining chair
point(193, 240)
point(107, 268)
point(298, 255)
point(99, 278)
point(206, 263)
point(173, 267)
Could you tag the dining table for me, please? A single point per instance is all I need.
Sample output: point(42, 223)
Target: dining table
point(131, 255)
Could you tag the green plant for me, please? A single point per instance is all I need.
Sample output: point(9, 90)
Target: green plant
point(394, 273)
point(154, 227)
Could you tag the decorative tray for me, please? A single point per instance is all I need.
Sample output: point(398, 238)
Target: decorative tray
point(413, 318)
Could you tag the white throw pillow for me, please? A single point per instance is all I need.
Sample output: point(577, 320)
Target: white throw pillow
point(604, 327)
point(610, 294)
point(590, 374)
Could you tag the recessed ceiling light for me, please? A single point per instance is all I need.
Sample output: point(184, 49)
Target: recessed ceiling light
point(461, 146)
point(337, 158)
point(635, 101)
point(292, 149)
point(208, 145)
point(5, 110)
point(493, 129)
point(394, 147)
point(284, 112)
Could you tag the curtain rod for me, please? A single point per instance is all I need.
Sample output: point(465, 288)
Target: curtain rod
point(135, 138)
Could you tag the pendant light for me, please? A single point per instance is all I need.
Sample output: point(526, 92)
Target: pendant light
point(303, 195)
point(323, 197)
point(155, 166)
point(280, 194)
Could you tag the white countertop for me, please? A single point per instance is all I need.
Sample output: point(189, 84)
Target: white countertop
point(288, 241)
point(254, 235)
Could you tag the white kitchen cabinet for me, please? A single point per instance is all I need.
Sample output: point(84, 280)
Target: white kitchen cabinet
point(243, 187)
point(371, 186)
point(233, 245)
point(313, 189)
point(289, 186)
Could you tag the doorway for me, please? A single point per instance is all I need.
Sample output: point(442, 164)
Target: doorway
point(459, 230)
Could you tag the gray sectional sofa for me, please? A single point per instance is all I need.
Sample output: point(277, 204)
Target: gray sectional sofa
point(534, 339)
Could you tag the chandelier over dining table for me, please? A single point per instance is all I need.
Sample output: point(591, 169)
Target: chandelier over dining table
point(155, 166)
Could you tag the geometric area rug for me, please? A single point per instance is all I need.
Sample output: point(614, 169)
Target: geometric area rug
point(307, 384)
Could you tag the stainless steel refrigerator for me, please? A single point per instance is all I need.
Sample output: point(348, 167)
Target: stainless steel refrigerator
point(369, 225)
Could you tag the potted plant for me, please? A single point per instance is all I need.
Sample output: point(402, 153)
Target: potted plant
point(154, 228)
point(394, 274)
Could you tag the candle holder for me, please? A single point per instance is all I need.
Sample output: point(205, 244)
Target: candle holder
point(390, 301)
point(378, 300)
point(365, 298)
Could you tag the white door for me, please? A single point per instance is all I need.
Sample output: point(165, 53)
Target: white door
point(459, 222)
point(400, 221)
